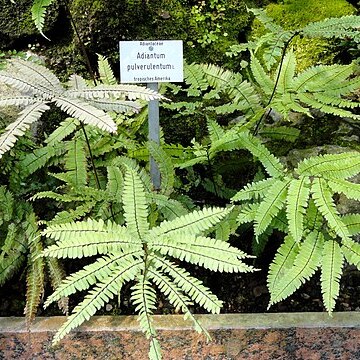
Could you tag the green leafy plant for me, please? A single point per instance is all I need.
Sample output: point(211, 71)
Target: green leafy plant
point(317, 235)
point(144, 254)
point(38, 87)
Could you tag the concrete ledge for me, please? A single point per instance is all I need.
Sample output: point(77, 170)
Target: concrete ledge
point(235, 336)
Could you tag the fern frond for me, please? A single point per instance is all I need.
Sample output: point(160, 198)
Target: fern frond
point(305, 264)
point(135, 205)
point(166, 167)
point(297, 199)
point(273, 202)
point(38, 11)
point(132, 92)
point(116, 105)
point(193, 223)
point(86, 113)
point(37, 159)
point(287, 72)
point(190, 285)
point(38, 74)
point(194, 76)
point(352, 222)
point(261, 77)
point(216, 132)
point(20, 100)
point(282, 262)
point(64, 129)
point(57, 275)
point(255, 190)
point(88, 276)
point(144, 297)
point(247, 213)
point(280, 133)
point(323, 200)
point(34, 289)
point(75, 162)
point(343, 27)
point(106, 75)
point(17, 128)
point(98, 297)
point(316, 104)
point(115, 183)
point(331, 270)
point(26, 85)
point(169, 207)
point(351, 251)
point(344, 165)
point(176, 297)
point(349, 189)
point(271, 164)
point(215, 255)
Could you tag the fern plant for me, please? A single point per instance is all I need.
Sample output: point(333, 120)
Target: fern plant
point(144, 254)
point(38, 87)
point(301, 203)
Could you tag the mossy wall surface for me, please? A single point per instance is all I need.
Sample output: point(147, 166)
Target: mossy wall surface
point(16, 24)
point(293, 14)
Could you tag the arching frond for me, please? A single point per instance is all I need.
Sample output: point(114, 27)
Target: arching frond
point(75, 162)
point(351, 251)
point(144, 297)
point(190, 285)
point(38, 11)
point(349, 189)
point(89, 276)
point(304, 266)
point(28, 116)
point(282, 263)
point(343, 27)
point(106, 75)
point(324, 202)
point(98, 297)
point(166, 167)
point(297, 199)
point(86, 113)
point(331, 270)
point(212, 254)
point(344, 165)
point(131, 92)
point(271, 164)
point(134, 204)
point(256, 190)
point(193, 223)
point(65, 128)
point(273, 202)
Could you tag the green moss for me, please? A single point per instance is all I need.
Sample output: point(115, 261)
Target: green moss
point(293, 14)
point(16, 21)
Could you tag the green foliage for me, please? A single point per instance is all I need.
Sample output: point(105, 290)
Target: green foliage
point(308, 189)
point(38, 88)
point(138, 252)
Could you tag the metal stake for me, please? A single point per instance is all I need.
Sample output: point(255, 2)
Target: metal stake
point(154, 135)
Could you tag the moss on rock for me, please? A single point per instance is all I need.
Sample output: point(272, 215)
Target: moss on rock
point(294, 14)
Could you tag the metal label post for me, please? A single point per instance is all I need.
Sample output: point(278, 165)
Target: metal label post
point(154, 135)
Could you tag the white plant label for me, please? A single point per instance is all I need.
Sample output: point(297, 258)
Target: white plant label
point(151, 61)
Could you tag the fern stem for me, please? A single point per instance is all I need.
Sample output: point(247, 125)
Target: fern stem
point(263, 116)
point(81, 43)
point(91, 156)
point(211, 171)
